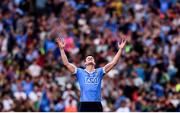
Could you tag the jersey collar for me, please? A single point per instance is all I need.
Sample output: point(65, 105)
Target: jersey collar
point(90, 72)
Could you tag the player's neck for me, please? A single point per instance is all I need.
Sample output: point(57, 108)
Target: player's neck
point(90, 68)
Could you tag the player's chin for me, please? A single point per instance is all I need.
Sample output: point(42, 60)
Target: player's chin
point(91, 63)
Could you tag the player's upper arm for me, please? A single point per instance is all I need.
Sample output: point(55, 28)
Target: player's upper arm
point(72, 68)
point(108, 67)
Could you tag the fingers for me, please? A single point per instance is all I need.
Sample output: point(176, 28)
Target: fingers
point(124, 40)
point(123, 37)
point(59, 40)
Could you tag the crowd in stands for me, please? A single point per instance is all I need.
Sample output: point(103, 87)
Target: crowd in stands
point(33, 77)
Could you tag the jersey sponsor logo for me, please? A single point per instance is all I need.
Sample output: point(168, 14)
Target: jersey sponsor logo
point(91, 80)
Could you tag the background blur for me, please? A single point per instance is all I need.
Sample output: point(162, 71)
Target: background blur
point(33, 78)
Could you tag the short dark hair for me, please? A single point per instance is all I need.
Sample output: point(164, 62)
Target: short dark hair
point(84, 58)
point(89, 55)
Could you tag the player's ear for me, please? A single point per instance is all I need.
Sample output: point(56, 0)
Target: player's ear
point(85, 64)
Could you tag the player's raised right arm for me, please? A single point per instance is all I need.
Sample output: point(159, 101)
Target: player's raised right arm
point(61, 45)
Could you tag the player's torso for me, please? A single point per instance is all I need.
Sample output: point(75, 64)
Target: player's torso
point(90, 85)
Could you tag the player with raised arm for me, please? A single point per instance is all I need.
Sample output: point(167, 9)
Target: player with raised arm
point(90, 78)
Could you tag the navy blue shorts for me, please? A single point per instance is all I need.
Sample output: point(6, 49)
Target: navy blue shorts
point(90, 107)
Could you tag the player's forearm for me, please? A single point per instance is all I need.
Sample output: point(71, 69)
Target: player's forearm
point(111, 64)
point(116, 57)
point(68, 65)
point(64, 57)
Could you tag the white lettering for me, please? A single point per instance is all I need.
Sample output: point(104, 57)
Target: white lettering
point(91, 80)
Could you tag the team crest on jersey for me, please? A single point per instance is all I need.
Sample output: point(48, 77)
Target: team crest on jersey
point(91, 80)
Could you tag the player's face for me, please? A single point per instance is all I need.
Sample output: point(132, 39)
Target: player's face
point(89, 60)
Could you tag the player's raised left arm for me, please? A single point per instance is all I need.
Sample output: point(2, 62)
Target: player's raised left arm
point(65, 61)
point(115, 60)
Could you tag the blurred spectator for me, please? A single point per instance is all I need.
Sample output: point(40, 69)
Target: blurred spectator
point(32, 74)
point(7, 103)
point(34, 69)
point(123, 107)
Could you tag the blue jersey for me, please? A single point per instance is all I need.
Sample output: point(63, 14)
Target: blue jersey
point(90, 84)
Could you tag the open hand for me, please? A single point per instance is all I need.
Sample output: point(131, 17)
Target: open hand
point(123, 41)
point(60, 43)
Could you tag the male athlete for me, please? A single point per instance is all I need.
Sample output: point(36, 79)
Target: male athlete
point(90, 78)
